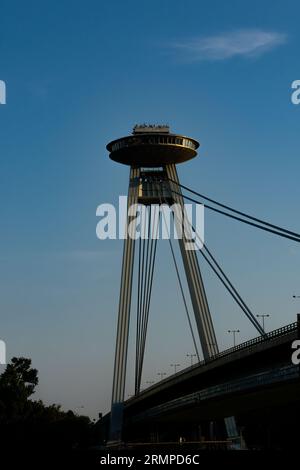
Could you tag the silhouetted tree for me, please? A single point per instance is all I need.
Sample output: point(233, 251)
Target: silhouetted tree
point(31, 423)
point(17, 384)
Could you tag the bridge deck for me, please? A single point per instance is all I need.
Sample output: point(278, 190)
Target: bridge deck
point(175, 386)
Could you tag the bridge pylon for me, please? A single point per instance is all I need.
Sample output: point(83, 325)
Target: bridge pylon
point(152, 153)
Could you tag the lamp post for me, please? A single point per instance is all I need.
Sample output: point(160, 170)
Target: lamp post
point(161, 374)
point(191, 356)
point(263, 316)
point(234, 332)
point(296, 296)
point(150, 382)
point(175, 367)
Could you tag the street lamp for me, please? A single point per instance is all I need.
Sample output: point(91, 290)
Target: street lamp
point(296, 296)
point(234, 333)
point(150, 382)
point(191, 356)
point(175, 367)
point(161, 374)
point(263, 316)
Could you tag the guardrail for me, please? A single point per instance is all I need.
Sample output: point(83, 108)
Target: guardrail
point(284, 330)
point(258, 340)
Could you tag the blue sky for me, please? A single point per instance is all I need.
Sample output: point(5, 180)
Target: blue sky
point(80, 74)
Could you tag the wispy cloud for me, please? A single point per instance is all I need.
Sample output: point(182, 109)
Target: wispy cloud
point(239, 43)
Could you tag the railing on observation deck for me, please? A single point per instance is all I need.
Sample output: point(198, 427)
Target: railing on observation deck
point(152, 139)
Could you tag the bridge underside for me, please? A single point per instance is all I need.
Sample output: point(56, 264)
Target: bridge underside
point(266, 418)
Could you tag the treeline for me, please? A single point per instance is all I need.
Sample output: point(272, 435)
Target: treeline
point(31, 424)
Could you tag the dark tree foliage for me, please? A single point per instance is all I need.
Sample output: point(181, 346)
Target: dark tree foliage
point(31, 424)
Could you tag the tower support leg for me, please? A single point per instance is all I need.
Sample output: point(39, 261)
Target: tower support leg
point(194, 279)
point(120, 364)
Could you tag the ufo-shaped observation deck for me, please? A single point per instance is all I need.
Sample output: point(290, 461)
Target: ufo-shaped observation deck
point(152, 146)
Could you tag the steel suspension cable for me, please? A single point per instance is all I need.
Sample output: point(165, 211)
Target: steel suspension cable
point(142, 258)
point(150, 273)
point(137, 340)
point(251, 316)
point(226, 282)
point(236, 297)
point(146, 274)
point(268, 224)
point(180, 282)
point(145, 281)
point(280, 234)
